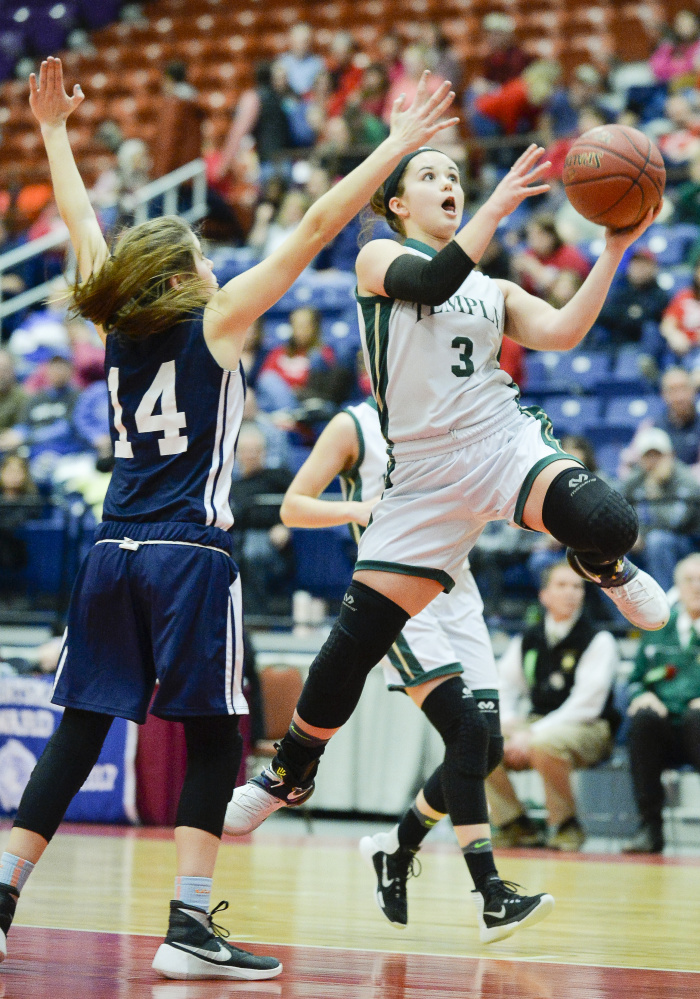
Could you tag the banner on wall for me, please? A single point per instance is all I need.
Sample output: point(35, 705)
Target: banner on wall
point(28, 719)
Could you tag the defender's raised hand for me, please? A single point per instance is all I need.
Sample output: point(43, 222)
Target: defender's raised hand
point(48, 99)
point(417, 124)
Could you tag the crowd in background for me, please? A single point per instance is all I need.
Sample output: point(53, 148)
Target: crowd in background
point(306, 119)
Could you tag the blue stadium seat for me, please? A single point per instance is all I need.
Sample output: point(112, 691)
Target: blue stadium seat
point(670, 243)
point(631, 411)
point(572, 414)
point(608, 458)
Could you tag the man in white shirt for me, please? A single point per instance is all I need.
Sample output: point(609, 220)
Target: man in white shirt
point(556, 712)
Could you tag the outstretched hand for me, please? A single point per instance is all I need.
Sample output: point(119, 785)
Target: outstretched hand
point(48, 99)
point(417, 124)
point(619, 239)
point(523, 180)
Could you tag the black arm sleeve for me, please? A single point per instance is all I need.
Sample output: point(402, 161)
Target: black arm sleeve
point(428, 282)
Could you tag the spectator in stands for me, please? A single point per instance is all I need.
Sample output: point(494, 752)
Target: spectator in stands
point(13, 400)
point(545, 256)
point(680, 324)
point(665, 707)
point(390, 46)
point(48, 429)
point(565, 286)
point(18, 503)
point(666, 496)
point(260, 115)
point(679, 142)
point(675, 60)
point(442, 59)
point(633, 300)
point(253, 353)
point(180, 119)
point(516, 106)
point(271, 228)
point(504, 60)
point(373, 90)
point(585, 91)
point(287, 369)
point(346, 69)
point(495, 260)
point(300, 64)
point(263, 543)
point(556, 712)
point(277, 451)
point(687, 199)
point(681, 419)
point(414, 65)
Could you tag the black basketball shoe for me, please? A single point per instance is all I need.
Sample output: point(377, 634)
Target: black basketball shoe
point(393, 865)
point(502, 910)
point(194, 949)
point(8, 904)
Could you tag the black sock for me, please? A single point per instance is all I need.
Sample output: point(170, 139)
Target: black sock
point(479, 857)
point(299, 754)
point(413, 827)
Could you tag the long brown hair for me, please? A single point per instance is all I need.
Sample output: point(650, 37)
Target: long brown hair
point(132, 293)
point(377, 207)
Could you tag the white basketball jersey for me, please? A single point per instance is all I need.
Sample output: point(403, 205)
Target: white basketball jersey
point(366, 478)
point(436, 368)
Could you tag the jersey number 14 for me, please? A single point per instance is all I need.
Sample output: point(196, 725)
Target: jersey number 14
point(168, 422)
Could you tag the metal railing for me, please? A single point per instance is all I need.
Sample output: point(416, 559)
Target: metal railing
point(137, 204)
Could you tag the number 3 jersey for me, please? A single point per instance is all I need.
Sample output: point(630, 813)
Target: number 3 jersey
point(436, 368)
point(175, 416)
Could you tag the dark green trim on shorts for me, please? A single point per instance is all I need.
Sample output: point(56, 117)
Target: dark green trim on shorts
point(439, 575)
point(449, 669)
point(551, 441)
point(486, 693)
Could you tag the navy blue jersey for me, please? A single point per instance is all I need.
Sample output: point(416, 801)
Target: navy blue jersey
point(175, 416)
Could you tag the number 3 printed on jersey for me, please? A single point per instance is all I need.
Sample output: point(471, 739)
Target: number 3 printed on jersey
point(168, 422)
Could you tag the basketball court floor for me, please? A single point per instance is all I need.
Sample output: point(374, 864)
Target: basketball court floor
point(94, 913)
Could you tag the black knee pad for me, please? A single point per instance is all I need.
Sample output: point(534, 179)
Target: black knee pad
point(64, 766)
point(487, 704)
point(214, 750)
point(453, 711)
point(368, 625)
point(585, 514)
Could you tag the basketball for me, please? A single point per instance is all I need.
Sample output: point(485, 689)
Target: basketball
point(613, 175)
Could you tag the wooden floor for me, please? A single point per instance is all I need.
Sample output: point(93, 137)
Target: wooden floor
point(94, 911)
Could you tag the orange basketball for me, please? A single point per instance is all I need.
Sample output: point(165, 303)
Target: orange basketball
point(613, 175)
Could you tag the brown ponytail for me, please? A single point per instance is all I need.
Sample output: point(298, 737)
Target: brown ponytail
point(132, 293)
point(376, 208)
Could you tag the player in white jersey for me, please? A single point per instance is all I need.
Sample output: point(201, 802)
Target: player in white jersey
point(447, 638)
point(462, 453)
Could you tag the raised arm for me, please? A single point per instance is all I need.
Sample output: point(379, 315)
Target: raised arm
point(241, 301)
point(336, 451)
point(537, 325)
point(432, 282)
point(52, 106)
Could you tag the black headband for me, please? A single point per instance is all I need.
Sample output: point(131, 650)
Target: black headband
point(391, 184)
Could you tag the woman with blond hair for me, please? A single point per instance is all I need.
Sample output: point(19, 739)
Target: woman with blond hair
point(158, 596)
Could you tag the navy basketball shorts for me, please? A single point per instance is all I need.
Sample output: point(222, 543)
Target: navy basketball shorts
point(154, 602)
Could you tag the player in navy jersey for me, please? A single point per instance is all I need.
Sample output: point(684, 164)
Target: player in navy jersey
point(158, 596)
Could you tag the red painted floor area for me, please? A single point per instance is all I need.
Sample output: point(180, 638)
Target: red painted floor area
point(66, 964)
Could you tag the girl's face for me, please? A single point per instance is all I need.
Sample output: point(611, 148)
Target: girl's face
point(13, 476)
point(303, 322)
point(204, 267)
point(432, 202)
